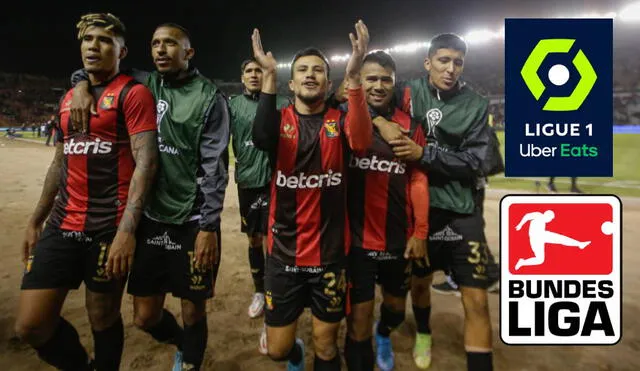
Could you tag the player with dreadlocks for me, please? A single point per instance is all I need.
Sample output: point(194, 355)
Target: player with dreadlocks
point(92, 200)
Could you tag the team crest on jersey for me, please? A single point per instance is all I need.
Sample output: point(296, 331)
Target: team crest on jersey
point(161, 108)
point(331, 128)
point(288, 131)
point(107, 101)
point(433, 117)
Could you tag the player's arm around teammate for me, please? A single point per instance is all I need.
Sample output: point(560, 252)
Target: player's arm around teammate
point(179, 237)
point(461, 164)
point(458, 153)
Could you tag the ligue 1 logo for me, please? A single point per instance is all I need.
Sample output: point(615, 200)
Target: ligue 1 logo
point(558, 86)
point(561, 270)
point(531, 68)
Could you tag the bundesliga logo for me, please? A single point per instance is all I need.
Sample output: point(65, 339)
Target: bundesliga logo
point(561, 270)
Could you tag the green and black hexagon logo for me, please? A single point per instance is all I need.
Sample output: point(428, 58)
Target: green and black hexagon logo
point(530, 68)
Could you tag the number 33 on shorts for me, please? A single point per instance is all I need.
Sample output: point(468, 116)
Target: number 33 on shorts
point(478, 256)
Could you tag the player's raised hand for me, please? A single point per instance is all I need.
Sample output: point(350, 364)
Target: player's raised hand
point(359, 47)
point(266, 60)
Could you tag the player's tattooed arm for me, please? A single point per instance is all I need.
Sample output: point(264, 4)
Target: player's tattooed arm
point(144, 147)
point(50, 188)
point(45, 204)
point(145, 153)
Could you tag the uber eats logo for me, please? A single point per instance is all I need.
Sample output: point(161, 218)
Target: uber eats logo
point(558, 75)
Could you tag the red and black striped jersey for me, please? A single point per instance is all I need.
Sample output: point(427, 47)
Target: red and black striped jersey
point(98, 165)
point(308, 222)
point(382, 213)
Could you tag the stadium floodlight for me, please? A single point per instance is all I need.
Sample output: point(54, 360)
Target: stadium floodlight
point(408, 48)
point(480, 36)
point(630, 13)
point(591, 15)
point(283, 65)
point(340, 58)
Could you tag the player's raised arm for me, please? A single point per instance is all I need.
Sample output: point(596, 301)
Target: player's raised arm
point(358, 127)
point(267, 121)
point(45, 204)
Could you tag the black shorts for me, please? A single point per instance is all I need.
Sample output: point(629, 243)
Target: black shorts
point(290, 289)
point(366, 267)
point(164, 262)
point(254, 209)
point(65, 259)
point(457, 245)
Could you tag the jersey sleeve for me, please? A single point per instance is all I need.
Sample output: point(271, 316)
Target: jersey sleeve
point(139, 110)
point(469, 160)
point(419, 190)
point(57, 132)
point(266, 123)
point(402, 96)
point(214, 161)
point(55, 125)
point(418, 135)
point(358, 126)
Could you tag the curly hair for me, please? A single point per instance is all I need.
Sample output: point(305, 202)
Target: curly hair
point(105, 20)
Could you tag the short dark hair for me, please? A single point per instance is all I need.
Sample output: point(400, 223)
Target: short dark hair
point(178, 27)
point(447, 41)
point(381, 58)
point(246, 62)
point(104, 20)
point(311, 51)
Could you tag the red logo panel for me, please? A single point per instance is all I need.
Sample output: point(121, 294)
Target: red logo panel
point(559, 239)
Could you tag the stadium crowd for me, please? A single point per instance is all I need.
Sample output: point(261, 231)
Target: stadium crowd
point(27, 99)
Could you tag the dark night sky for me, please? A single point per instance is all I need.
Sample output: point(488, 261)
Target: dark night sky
point(41, 39)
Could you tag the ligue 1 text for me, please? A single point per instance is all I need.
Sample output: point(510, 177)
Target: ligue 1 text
point(573, 129)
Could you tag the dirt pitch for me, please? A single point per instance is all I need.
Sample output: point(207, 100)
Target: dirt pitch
point(233, 338)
